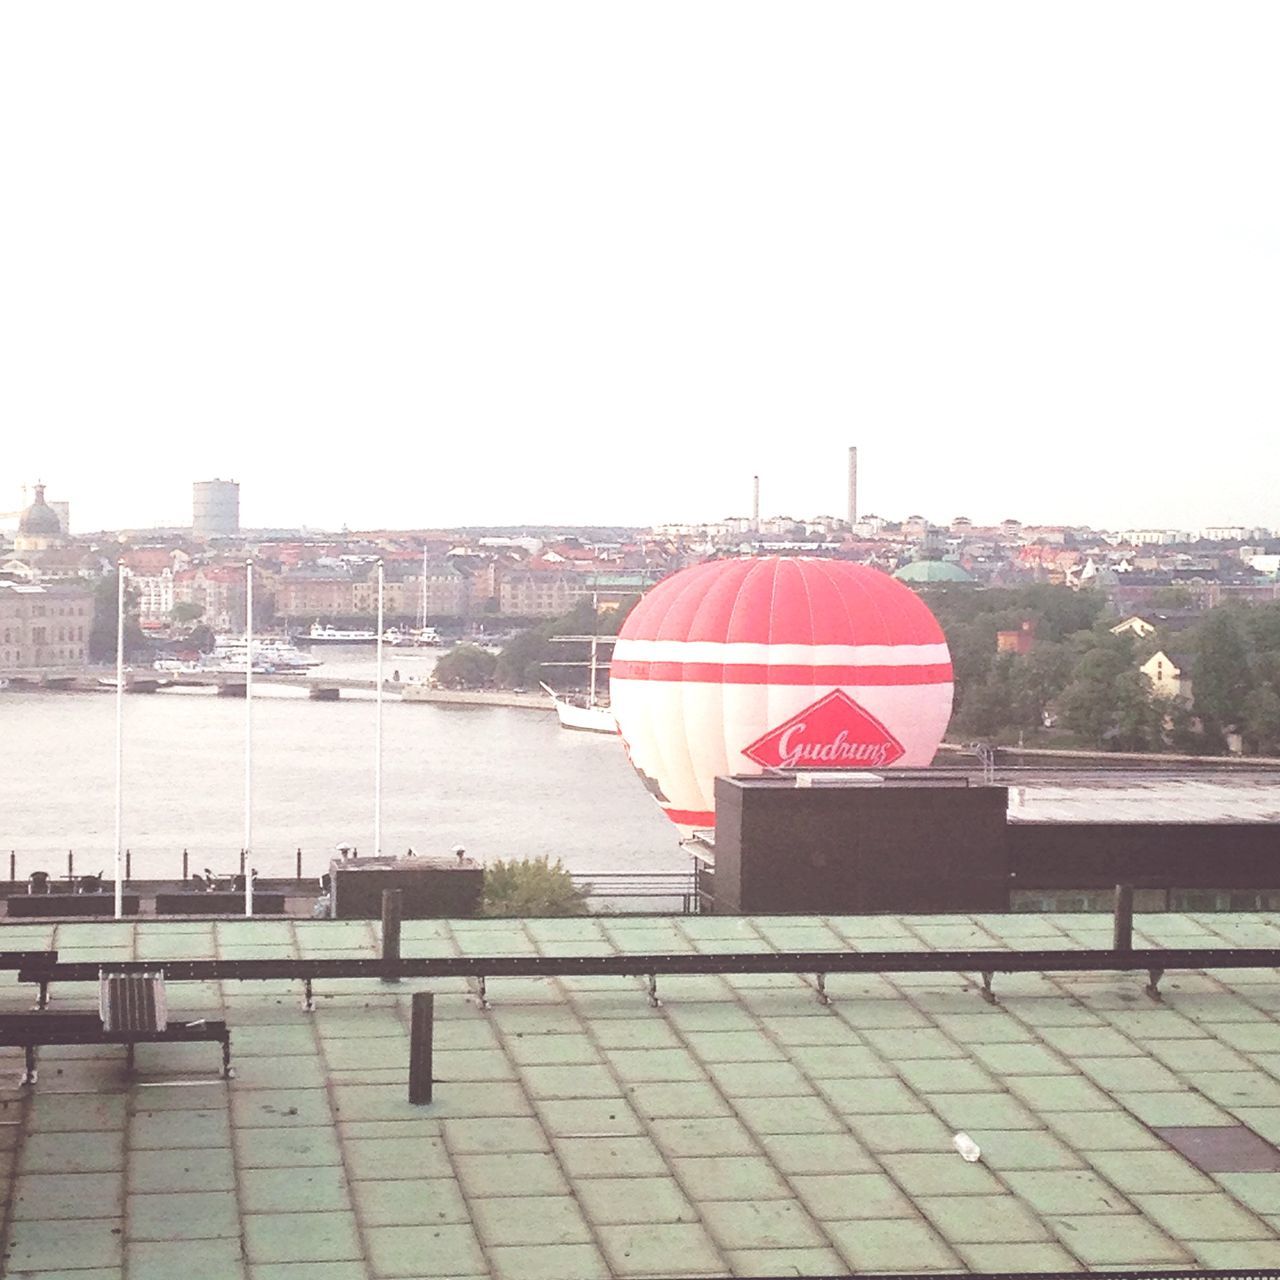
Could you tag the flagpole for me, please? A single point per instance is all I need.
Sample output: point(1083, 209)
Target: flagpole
point(119, 881)
point(377, 746)
point(248, 737)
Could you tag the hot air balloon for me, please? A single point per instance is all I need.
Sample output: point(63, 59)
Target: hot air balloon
point(744, 666)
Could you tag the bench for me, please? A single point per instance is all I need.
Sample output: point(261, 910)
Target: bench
point(217, 903)
point(27, 959)
point(984, 963)
point(70, 904)
point(31, 1030)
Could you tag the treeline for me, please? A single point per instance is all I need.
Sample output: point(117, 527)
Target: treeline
point(1080, 685)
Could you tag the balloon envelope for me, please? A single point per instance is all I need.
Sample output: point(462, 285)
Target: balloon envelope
point(742, 666)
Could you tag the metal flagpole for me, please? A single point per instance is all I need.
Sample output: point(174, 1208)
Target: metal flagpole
point(248, 737)
point(377, 744)
point(119, 869)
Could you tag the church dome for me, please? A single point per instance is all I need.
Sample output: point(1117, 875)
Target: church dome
point(39, 519)
point(932, 571)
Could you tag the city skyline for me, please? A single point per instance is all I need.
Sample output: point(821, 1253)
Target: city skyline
point(597, 270)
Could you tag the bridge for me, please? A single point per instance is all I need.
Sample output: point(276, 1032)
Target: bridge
point(231, 684)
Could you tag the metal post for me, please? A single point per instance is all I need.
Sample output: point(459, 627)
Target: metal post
point(248, 736)
point(1122, 938)
point(119, 883)
point(186, 863)
point(128, 865)
point(298, 871)
point(71, 864)
point(420, 1046)
point(377, 742)
point(391, 908)
point(13, 865)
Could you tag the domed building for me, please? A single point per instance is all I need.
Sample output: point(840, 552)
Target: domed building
point(934, 573)
point(39, 528)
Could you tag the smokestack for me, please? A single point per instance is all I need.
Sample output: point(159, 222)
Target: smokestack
point(853, 484)
point(755, 502)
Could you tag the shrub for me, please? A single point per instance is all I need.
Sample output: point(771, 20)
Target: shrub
point(531, 887)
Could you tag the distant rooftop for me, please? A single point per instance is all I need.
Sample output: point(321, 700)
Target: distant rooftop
point(741, 1128)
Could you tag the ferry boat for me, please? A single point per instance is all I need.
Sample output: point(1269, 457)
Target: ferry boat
point(272, 654)
point(413, 637)
point(326, 634)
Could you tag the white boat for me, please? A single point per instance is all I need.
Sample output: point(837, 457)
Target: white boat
point(413, 638)
point(337, 635)
point(594, 717)
point(272, 654)
point(591, 713)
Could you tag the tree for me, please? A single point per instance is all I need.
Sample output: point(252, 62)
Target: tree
point(186, 611)
point(1261, 721)
point(531, 887)
point(1222, 672)
point(102, 635)
point(466, 667)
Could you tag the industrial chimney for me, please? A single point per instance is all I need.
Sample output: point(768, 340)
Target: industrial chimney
point(853, 484)
point(755, 503)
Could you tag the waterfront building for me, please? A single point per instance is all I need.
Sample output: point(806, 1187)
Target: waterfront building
point(44, 627)
point(219, 591)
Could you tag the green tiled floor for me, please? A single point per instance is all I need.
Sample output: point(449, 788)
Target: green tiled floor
point(741, 1128)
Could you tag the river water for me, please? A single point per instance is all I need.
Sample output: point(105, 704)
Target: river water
point(503, 783)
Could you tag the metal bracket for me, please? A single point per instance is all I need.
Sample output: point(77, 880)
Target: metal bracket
point(823, 998)
point(1153, 985)
point(652, 990)
point(42, 1001)
point(987, 994)
point(29, 1075)
point(308, 1000)
point(482, 998)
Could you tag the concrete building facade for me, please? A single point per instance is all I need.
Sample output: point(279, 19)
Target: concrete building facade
point(44, 627)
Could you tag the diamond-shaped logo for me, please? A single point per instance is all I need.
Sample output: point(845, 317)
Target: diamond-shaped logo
point(833, 733)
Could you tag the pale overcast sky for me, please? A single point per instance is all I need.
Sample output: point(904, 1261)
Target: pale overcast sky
point(425, 264)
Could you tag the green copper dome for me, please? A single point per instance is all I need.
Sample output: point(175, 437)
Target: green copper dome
point(40, 519)
point(927, 571)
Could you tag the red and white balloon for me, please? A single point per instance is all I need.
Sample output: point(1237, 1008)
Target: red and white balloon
point(741, 666)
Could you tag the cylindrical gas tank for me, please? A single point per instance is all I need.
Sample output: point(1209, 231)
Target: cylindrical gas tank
point(748, 665)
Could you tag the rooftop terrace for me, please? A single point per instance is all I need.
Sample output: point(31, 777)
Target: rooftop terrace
point(742, 1128)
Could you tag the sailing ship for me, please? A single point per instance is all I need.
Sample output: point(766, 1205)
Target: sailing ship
point(591, 713)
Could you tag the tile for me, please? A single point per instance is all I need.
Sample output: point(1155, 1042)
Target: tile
point(1148, 1171)
point(585, 1081)
point(1075, 1191)
point(183, 1215)
point(870, 1096)
point(154, 1129)
point(677, 1248)
point(1212, 1216)
point(301, 1237)
point(280, 1108)
point(588, 1115)
point(165, 1259)
point(181, 1169)
point(817, 1153)
point(683, 1100)
point(729, 1178)
point(320, 1188)
point(442, 1250)
point(405, 1157)
point(1023, 1059)
point(935, 1075)
point(787, 1115)
point(721, 1136)
point(1006, 1258)
point(518, 1174)
point(759, 1079)
point(766, 1224)
point(838, 1062)
point(1058, 1093)
point(554, 1050)
point(514, 1133)
point(634, 1200)
point(892, 1244)
point(783, 1262)
point(998, 1219)
point(606, 1157)
point(529, 1220)
point(735, 1046)
point(62, 1112)
point(1258, 1191)
point(1235, 1254)
point(1169, 1109)
point(409, 1202)
point(1115, 1239)
point(46, 1196)
point(67, 1243)
point(969, 1111)
point(845, 1196)
point(547, 1262)
point(286, 1148)
point(1129, 1075)
point(72, 1153)
point(896, 1133)
point(940, 1174)
point(1102, 1131)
